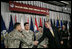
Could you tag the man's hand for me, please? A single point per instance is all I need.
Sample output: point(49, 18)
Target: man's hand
point(6, 47)
point(61, 42)
point(45, 46)
point(35, 42)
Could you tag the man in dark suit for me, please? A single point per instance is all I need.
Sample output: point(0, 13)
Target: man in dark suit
point(52, 34)
point(64, 37)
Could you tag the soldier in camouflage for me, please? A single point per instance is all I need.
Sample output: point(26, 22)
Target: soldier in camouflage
point(14, 37)
point(44, 43)
point(28, 36)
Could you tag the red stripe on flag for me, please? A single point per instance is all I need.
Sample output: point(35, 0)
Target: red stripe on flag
point(36, 24)
point(28, 20)
point(40, 22)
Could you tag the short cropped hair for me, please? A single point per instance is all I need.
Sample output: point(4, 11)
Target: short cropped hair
point(26, 23)
point(16, 24)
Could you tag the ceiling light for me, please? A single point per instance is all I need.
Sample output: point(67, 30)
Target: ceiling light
point(65, 8)
point(64, 2)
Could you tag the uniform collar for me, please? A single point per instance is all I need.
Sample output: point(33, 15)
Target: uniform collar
point(27, 30)
point(16, 30)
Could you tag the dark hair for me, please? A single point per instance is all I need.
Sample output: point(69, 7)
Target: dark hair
point(41, 26)
point(16, 24)
point(26, 23)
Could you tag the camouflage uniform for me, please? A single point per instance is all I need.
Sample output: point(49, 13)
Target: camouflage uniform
point(29, 37)
point(44, 42)
point(14, 39)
